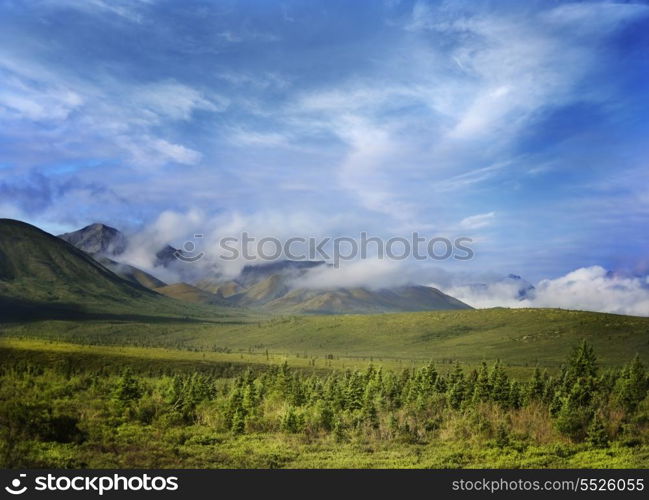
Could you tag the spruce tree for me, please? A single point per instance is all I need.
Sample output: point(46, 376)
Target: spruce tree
point(632, 385)
point(499, 385)
point(583, 362)
point(597, 435)
point(482, 390)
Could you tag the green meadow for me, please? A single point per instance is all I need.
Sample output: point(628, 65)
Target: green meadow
point(518, 337)
point(484, 388)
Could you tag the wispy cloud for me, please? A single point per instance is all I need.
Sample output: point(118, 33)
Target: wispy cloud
point(421, 116)
point(477, 221)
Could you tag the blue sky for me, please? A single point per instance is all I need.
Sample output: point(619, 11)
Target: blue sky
point(523, 125)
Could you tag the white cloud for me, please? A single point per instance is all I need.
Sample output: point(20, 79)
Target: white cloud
point(130, 10)
point(176, 101)
point(261, 81)
point(466, 102)
point(588, 288)
point(146, 151)
point(25, 100)
point(117, 119)
point(243, 137)
point(477, 221)
point(592, 288)
point(588, 19)
point(368, 273)
point(168, 227)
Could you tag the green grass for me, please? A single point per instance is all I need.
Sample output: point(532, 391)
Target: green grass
point(518, 337)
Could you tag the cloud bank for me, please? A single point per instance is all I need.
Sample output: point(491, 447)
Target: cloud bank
point(588, 288)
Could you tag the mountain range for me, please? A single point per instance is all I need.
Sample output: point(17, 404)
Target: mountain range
point(268, 286)
point(83, 267)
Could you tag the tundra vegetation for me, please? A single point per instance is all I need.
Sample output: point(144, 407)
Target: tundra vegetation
point(82, 414)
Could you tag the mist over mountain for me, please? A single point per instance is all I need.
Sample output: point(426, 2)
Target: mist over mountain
point(272, 286)
point(109, 246)
point(517, 287)
point(291, 286)
point(276, 287)
point(252, 274)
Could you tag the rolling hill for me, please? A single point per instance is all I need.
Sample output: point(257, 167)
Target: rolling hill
point(37, 265)
point(518, 337)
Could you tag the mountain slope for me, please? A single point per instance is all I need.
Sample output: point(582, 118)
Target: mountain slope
point(189, 293)
point(37, 265)
point(42, 276)
point(253, 274)
point(130, 273)
point(263, 292)
point(104, 243)
point(364, 301)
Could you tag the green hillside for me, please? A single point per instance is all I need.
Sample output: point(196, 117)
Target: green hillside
point(516, 336)
point(44, 277)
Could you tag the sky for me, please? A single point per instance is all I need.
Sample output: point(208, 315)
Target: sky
point(522, 125)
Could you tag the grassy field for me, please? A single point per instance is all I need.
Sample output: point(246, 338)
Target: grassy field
point(518, 337)
point(72, 406)
point(114, 359)
point(238, 390)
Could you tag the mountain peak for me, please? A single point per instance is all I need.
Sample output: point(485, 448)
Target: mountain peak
point(97, 238)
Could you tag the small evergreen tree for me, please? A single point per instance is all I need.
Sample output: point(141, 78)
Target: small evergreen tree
point(597, 436)
point(290, 421)
point(583, 362)
point(535, 389)
point(128, 389)
point(632, 385)
point(482, 390)
point(238, 425)
point(499, 385)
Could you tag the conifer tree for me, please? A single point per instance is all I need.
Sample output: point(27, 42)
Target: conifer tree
point(632, 385)
point(499, 383)
point(128, 388)
point(597, 435)
point(482, 389)
point(583, 362)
